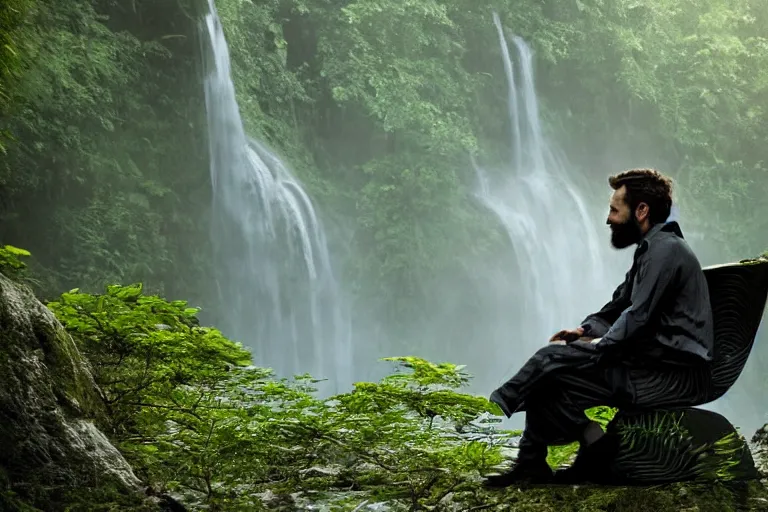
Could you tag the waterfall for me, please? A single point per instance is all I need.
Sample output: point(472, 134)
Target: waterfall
point(277, 290)
point(551, 226)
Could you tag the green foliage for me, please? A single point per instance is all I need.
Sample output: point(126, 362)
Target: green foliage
point(12, 14)
point(142, 347)
point(383, 123)
point(412, 85)
point(377, 105)
point(270, 92)
point(386, 110)
point(683, 77)
point(663, 436)
point(658, 425)
point(10, 261)
point(194, 417)
point(427, 391)
point(406, 214)
point(722, 463)
point(105, 159)
point(561, 456)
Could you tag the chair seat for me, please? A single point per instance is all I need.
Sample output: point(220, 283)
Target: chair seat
point(680, 443)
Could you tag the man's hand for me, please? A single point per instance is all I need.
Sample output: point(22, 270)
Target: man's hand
point(567, 335)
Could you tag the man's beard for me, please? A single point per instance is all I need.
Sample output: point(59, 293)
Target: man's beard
point(625, 234)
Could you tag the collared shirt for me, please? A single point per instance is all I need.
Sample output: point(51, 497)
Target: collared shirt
point(664, 296)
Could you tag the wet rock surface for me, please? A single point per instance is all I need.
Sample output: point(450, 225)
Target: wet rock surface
point(760, 450)
point(50, 410)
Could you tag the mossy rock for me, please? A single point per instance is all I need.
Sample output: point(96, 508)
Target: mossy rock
point(50, 412)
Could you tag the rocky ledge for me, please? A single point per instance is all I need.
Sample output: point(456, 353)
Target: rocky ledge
point(54, 452)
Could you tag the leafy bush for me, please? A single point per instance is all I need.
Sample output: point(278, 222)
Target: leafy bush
point(10, 261)
point(196, 418)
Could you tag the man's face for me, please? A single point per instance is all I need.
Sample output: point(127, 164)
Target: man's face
point(625, 230)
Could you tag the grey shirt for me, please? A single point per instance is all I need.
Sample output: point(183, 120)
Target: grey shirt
point(663, 297)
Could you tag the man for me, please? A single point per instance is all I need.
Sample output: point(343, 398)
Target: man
point(648, 347)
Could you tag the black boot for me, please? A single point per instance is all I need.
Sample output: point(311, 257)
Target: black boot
point(526, 471)
point(592, 463)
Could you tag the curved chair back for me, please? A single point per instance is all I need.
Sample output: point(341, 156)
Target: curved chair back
point(738, 293)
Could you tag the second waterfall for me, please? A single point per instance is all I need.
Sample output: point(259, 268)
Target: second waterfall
point(566, 270)
point(277, 290)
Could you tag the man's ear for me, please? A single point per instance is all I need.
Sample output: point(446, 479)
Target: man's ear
point(641, 212)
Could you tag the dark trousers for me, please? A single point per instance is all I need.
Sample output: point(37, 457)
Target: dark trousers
point(557, 384)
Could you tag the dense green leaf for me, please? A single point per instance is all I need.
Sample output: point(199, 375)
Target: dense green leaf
point(192, 414)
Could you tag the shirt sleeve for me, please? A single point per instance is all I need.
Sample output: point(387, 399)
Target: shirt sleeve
point(656, 275)
point(597, 324)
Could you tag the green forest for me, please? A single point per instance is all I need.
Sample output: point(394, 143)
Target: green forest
point(378, 107)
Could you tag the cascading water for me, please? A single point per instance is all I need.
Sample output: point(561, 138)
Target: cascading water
point(277, 290)
point(566, 269)
point(560, 257)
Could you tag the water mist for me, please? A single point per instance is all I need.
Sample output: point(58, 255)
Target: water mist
point(277, 290)
point(566, 268)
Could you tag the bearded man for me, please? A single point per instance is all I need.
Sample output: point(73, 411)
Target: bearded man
point(649, 347)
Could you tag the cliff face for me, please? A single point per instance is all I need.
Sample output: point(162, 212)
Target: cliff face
point(50, 410)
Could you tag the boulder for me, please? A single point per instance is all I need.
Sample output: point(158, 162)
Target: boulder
point(50, 412)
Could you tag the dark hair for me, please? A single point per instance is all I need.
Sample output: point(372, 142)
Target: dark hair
point(647, 186)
